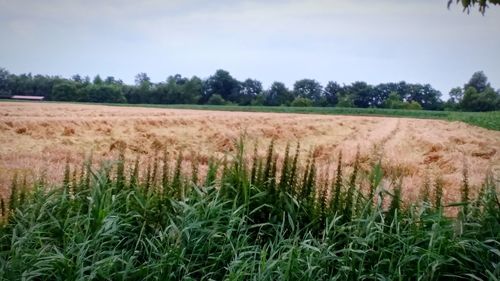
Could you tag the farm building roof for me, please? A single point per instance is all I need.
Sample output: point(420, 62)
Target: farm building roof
point(28, 97)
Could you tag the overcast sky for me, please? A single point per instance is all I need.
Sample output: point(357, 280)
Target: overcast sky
point(281, 40)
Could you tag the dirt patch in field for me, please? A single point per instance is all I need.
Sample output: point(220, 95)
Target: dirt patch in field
point(38, 138)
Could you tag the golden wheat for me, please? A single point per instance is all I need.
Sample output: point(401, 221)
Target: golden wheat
point(40, 137)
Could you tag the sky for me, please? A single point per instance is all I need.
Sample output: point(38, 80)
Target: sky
point(419, 41)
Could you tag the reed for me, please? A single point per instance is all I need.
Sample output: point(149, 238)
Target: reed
point(274, 220)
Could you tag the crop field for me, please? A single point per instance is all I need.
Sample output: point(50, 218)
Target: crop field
point(179, 194)
point(38, 138)
point(489, 120)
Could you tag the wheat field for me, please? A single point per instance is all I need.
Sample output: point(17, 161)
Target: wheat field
point(38, 138)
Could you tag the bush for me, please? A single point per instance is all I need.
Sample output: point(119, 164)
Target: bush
point(301, 102)
point(413, 105)
point(245, 223)
point(216, 99)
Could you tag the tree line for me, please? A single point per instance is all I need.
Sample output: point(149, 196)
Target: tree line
point(222, 88)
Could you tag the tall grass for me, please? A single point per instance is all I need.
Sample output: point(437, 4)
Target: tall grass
point(256, 219)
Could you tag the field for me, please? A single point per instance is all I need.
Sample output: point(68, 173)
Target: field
point(489, 120)
point(186, 195)
point(38, 138)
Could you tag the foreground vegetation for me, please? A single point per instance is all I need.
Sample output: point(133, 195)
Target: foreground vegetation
point(255, 219)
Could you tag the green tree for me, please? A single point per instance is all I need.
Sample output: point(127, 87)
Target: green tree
point(380, 93)
point(177, 90)
point(278, 94)
point(425, 95)
point(142, 80)
point(4, 82)
point(345, 101)
point(192, 90)
point(456, 95)
point(223, 84)
point(250, 89)
point(309, 89)
point(174, 90)
point(42, 85)
point(77, 78)
point(468, 4)
point(65, 91)
point(103, 93)
point(361, 94)
point(133, 94)
point(394, 101)
point(478, 81)
point(478, 94)
point(110, 80)
point(332, 93)
point(97, 80)
point(21, 84)
point(480, 101)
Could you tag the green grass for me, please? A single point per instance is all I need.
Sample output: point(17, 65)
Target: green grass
point(247, 220)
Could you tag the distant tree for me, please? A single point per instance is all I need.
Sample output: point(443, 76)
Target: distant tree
point(259, 100)
point(110, 80)
point(133, 95)
point(177, 90)
point(77, 78)
point(468, 4)
point(345, 101)
point(97, 80)
point(192, 90)
point(332, 93)
point(425, 95)
point(456, 95)
point(478, 95)
point(278, 94)
point(174, 90)
point(4, 82)
point(394, 101)
point(42, 85)
point(480, 101)
point(309, 89)
point(103, 93)
point(21, 84)
point(163, 93)
point(249, 91)
point(361, 94)
point(428, 97)
point(64, 91)
point(478, 81)
point(223, 84)
point(143, 81)
point(179, 80)
point(301, 102)
point(380, 93)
